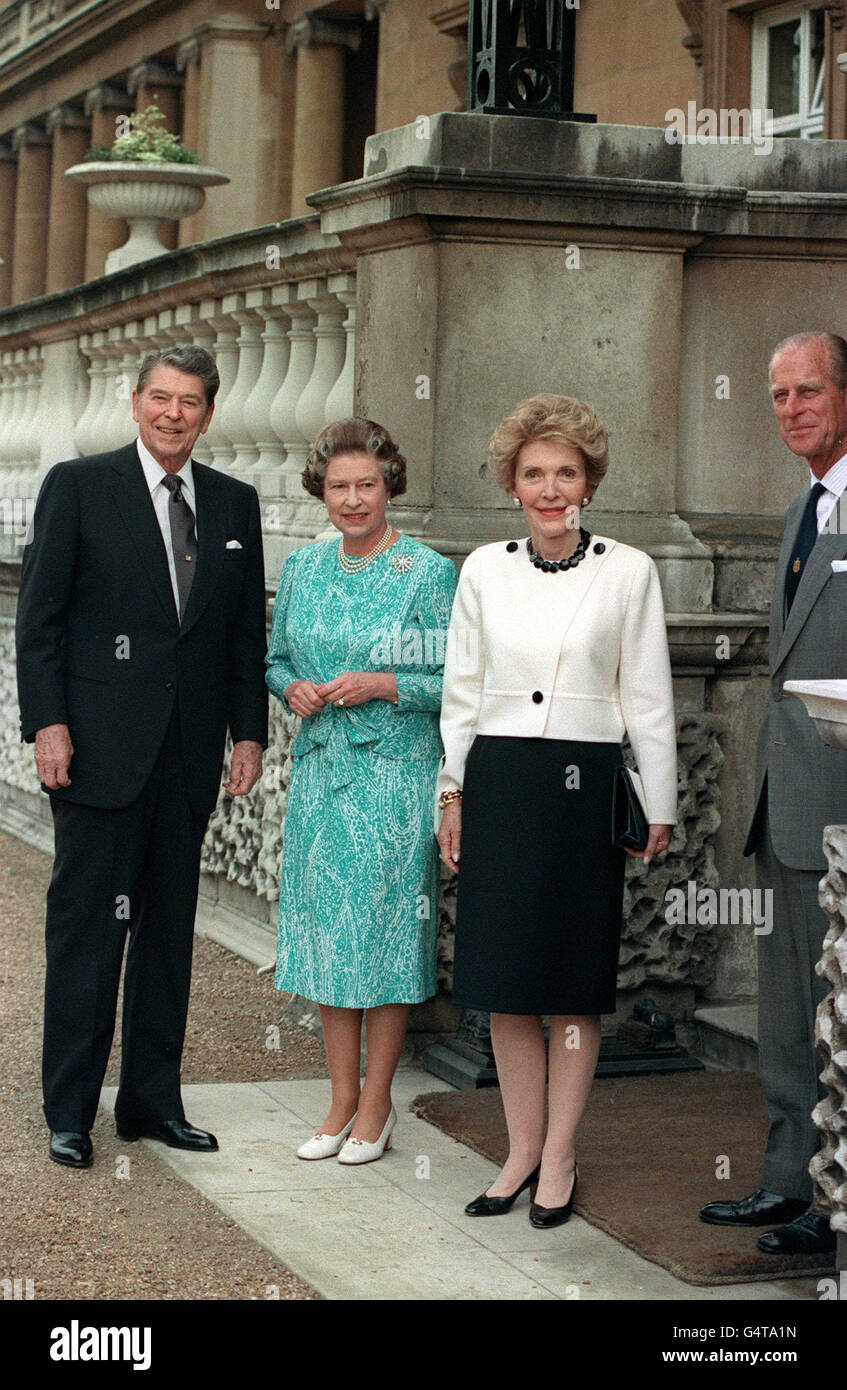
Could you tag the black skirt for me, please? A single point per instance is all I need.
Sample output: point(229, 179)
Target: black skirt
point(540, 890)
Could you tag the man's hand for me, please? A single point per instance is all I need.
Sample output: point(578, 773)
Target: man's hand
point(358, 687)
point(53, 753)
point(245, 768)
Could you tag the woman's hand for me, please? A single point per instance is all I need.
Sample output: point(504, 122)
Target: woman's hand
point(449, 835)
point(358, 687)
point(302, 698)
point(657, 843)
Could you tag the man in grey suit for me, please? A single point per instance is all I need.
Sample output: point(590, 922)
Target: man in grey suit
point(801, 786)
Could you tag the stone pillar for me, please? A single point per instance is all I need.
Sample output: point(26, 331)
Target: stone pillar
point(318, 157)
point(188, 65)
point(68, 200)
point(829, 1166)
point(104, 234)
point(8, 179)
point(32, 201)
point(153, 84)
point(233, 134)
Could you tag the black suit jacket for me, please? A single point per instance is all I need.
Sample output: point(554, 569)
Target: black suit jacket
point(100, 646)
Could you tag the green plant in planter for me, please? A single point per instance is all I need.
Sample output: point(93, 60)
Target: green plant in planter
point(147, 141)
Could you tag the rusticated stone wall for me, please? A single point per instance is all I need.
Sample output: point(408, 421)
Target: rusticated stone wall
point(829, 1166)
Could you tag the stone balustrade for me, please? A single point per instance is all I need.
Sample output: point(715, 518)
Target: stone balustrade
point(283, 339)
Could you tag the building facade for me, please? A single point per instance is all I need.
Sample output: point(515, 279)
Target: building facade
point(372, 255)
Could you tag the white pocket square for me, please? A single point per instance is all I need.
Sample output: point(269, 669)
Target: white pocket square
point(234, 545)
point(839, 566)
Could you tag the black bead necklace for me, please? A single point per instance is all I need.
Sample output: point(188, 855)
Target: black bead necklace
point(551, 566)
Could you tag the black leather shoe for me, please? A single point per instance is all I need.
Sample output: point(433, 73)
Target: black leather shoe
point(810, 1234)
point(177, 1134)
point(71, 1147)
point(546, 1217)
point(483, 1205)
point(762, 1208)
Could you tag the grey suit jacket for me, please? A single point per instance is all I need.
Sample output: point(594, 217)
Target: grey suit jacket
point(804, 781)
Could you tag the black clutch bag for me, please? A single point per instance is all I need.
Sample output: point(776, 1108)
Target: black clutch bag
point(630, 829)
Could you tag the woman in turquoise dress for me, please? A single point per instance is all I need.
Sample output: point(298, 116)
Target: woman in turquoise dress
point(357, 650)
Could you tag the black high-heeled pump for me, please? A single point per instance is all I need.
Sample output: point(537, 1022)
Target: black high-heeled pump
point(546, 1217)
point(483, 1205)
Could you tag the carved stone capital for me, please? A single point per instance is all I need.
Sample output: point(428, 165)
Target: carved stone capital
point(312, 31)
point(66, 118)
point(29, 133)
point(188, 53)
point(147, 74)
point(837, 11)
point(105, 97)
point(692, 13)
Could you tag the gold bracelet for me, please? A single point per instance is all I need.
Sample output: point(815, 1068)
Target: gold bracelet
point(446, 797)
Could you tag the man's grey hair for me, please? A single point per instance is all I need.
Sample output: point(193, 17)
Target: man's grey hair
point(196, 361)
point(835, 345)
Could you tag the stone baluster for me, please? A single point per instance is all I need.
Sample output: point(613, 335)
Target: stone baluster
point(225, 353)
point(14, 438)
point(32, 417)
point(7, 407)
point(339, 402)
point(93, 346)
point(118, 426)
point(284, 409)
point(330, 347)
point(829, 1166)
point(249, 367)
point(257, 408)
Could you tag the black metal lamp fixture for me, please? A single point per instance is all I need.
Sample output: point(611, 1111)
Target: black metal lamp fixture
point(534, 77)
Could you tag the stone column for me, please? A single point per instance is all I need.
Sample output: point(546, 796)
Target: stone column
point(104, 234)
point(318, 157)
point(829, 1166)
point(8, 179)
point(70, 131)
point(233, 131)
point(32, 200)
point(188, 65)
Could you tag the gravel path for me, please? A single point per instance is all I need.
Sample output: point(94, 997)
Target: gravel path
point(95, 1234)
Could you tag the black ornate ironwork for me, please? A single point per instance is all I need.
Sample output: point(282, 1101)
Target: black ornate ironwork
point(521, 58)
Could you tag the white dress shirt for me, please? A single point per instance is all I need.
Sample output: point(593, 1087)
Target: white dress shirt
point(153, 474)
point(835, 482)
point(576, 655)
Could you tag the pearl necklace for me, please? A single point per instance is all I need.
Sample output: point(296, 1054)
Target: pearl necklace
point(551, 566)
point(357, 563)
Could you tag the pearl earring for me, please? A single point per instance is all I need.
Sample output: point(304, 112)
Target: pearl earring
point(516, 501)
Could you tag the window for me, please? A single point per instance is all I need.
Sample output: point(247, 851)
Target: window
point(788, 69)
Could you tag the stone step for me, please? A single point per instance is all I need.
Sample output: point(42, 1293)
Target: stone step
point(727, 1035)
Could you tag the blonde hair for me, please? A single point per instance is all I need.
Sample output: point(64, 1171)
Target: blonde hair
point(562, 419)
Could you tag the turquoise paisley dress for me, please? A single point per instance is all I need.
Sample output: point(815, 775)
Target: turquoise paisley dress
point(359, 889)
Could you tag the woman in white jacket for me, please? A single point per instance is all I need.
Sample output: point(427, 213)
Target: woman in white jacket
point(557, 647)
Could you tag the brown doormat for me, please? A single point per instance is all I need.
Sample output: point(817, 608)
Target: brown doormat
point(648, 1149)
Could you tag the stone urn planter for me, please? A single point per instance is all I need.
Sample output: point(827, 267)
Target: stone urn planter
point(145, 194)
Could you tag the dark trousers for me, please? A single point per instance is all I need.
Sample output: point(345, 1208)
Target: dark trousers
point(131, 870)
point(789, 994)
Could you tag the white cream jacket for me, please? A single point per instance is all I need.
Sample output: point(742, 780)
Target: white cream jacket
point(576, 655)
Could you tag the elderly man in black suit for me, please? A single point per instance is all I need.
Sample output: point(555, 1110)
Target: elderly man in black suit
point(141, 641)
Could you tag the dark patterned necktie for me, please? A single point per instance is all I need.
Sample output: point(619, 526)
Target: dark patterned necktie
point(184, 539)
point(807, 534)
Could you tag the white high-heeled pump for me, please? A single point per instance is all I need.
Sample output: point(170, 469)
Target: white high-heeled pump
point(360, 1151)
point(325, 1145)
